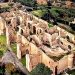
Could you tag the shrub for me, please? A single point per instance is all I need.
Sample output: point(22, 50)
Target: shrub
point(41, 69)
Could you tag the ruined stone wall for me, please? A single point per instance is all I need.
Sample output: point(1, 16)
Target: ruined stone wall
point(48, 61)
point(65, 62)
point(62, 64)
point(23, 44)
point(2, 25)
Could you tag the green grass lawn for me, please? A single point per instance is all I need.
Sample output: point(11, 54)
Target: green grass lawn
point(50, 25)
point(39, 13)
point(23, 61)
point(14, 47)
point(2, 44)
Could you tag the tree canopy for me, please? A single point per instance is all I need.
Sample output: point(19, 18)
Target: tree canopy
point(41, 69)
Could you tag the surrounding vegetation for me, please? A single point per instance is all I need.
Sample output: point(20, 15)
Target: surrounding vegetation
point(14, 47)
point(23, 60)
point(71, 72)
point(27, 2)
point(2, 70)
point(59, 13)
point(50, 25)
point(41, 69)
point(2, 44)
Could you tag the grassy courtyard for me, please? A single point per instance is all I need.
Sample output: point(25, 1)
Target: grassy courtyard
point(14, 47)
point(2, 44)
point(39, 13)
point(23, 61)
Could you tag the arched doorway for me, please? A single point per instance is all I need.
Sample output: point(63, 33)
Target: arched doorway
point(56, 70)
point(34, 30)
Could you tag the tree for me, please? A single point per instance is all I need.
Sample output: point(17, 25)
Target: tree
point(49, 4)
point(35, 4)
point(41, 69)
point(29, 3)
point(2, 69)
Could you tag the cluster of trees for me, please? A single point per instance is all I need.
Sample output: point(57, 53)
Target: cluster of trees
point(30, 3)
point(2, 70)
point(41, 69)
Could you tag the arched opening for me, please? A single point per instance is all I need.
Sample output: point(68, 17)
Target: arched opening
point(62, 43)
point(17, 29)
point(30, 39)
point(69, 47)
point(56, 70)
point(40, 31)
point(9, 22)
point(29, 25)
point(31, 18)
point(68, 37)
point(27, 51)
point(18, 21)
point(34, 30)
point(21, 32)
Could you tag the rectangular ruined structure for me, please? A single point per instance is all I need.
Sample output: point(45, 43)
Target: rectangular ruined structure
point(40, 44)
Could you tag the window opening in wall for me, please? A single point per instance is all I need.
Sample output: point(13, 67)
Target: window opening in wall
point(62, 43)
point(27, 51)
point(34, 29)
point(17, 29)
point(56, 70)
point(45, 30)
point(30, 39)
point(21, 32)
point(31, 18)
point(69, 47)
point(67, 37)
point(8, 22)
point(29, 25)
point(18, 22)
point(40, 30)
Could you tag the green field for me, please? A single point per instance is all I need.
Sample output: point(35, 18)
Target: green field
point(23, 61)
point(14, 47)
point(2, 44)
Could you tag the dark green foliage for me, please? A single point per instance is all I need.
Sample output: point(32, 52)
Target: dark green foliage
point(35, 4)
point(50, 25)
point(2, 70)
point(1, 53)
point(71, 72)
point(27, 2)
point(49, 4)
point(41, 69)
point(23, 60)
